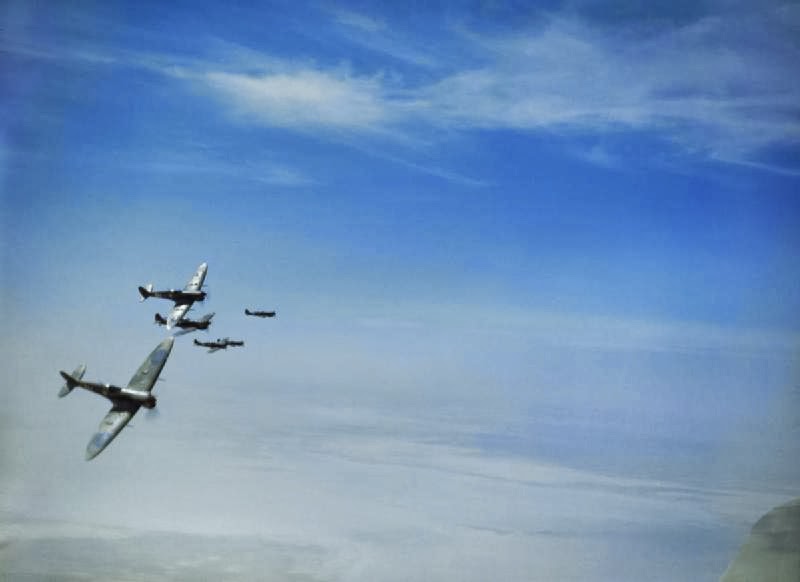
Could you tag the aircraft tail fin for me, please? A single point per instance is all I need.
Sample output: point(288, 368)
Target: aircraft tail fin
point(71, 380)
point(146, 291)
point(247, 312)
point(159, 319)
point(207, 317)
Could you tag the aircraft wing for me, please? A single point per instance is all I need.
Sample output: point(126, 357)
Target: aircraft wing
point(147, 374)
point(772, 551)
point(178, 312)
point(214, 349)
point(113, 422)
point(196, 282)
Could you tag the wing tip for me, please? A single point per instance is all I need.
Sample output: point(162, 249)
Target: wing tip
point(98, 443)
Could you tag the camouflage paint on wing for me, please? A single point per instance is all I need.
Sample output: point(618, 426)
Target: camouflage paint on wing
point(147, 374)
point(113, 422)
point(772, 552)
point(197, 279)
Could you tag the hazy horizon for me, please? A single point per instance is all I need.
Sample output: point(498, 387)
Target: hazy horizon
point(535, 271)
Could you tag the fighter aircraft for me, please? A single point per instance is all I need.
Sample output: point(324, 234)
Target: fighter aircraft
point(220, 344)
point(125, 401)
point(259, 313)
point(188, 324)
point(183, 299)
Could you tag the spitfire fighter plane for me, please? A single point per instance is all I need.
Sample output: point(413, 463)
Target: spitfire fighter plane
point(125, 401)
point(220, 344)
point(184, 299)
point(259, 313)
point(188, 325)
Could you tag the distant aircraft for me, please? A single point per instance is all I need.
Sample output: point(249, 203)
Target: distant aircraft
point(259, 313)
point(125, 401)
point(188, 324)
point(220, 344)
point(183, 299)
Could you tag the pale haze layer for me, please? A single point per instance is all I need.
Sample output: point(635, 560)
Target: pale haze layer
point(535, 271)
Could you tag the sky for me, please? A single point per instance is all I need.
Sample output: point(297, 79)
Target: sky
point(536, 268)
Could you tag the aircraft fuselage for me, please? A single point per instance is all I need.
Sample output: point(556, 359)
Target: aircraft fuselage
point(178, 296)
point(185, 323)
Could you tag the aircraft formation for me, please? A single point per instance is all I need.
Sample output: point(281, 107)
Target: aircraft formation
point(125, 402)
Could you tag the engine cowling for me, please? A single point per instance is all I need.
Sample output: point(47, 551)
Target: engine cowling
point(144, 398)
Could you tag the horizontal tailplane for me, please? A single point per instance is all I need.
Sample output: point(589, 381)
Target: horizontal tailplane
point(71, 380)
point(146, 291)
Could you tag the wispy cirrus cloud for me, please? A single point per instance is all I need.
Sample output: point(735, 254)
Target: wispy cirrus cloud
point(359, 21)
point(374, 35)
point(718, 87)
point(304, 98)
point(722, 94)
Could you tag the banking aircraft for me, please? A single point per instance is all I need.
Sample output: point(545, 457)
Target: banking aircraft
point(188, 325)
point(184, 299)
point(125, 401)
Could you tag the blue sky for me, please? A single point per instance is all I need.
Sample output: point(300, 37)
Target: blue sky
point(526, 259)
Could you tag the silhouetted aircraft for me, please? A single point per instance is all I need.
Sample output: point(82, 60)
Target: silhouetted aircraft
point(220, 344)
point(259, 313)
point(183, 298)
point(125, 401)
point(188, 324)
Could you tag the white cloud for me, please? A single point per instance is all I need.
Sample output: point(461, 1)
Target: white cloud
point(375, 35)
point(720, 87)
point(359, 21)
point(284, 176)
point(599, 156)
point(699, 85)
point(359, 508)
point(304, 99)
point(714, 92)
point(263, 171)
point(344, 493)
